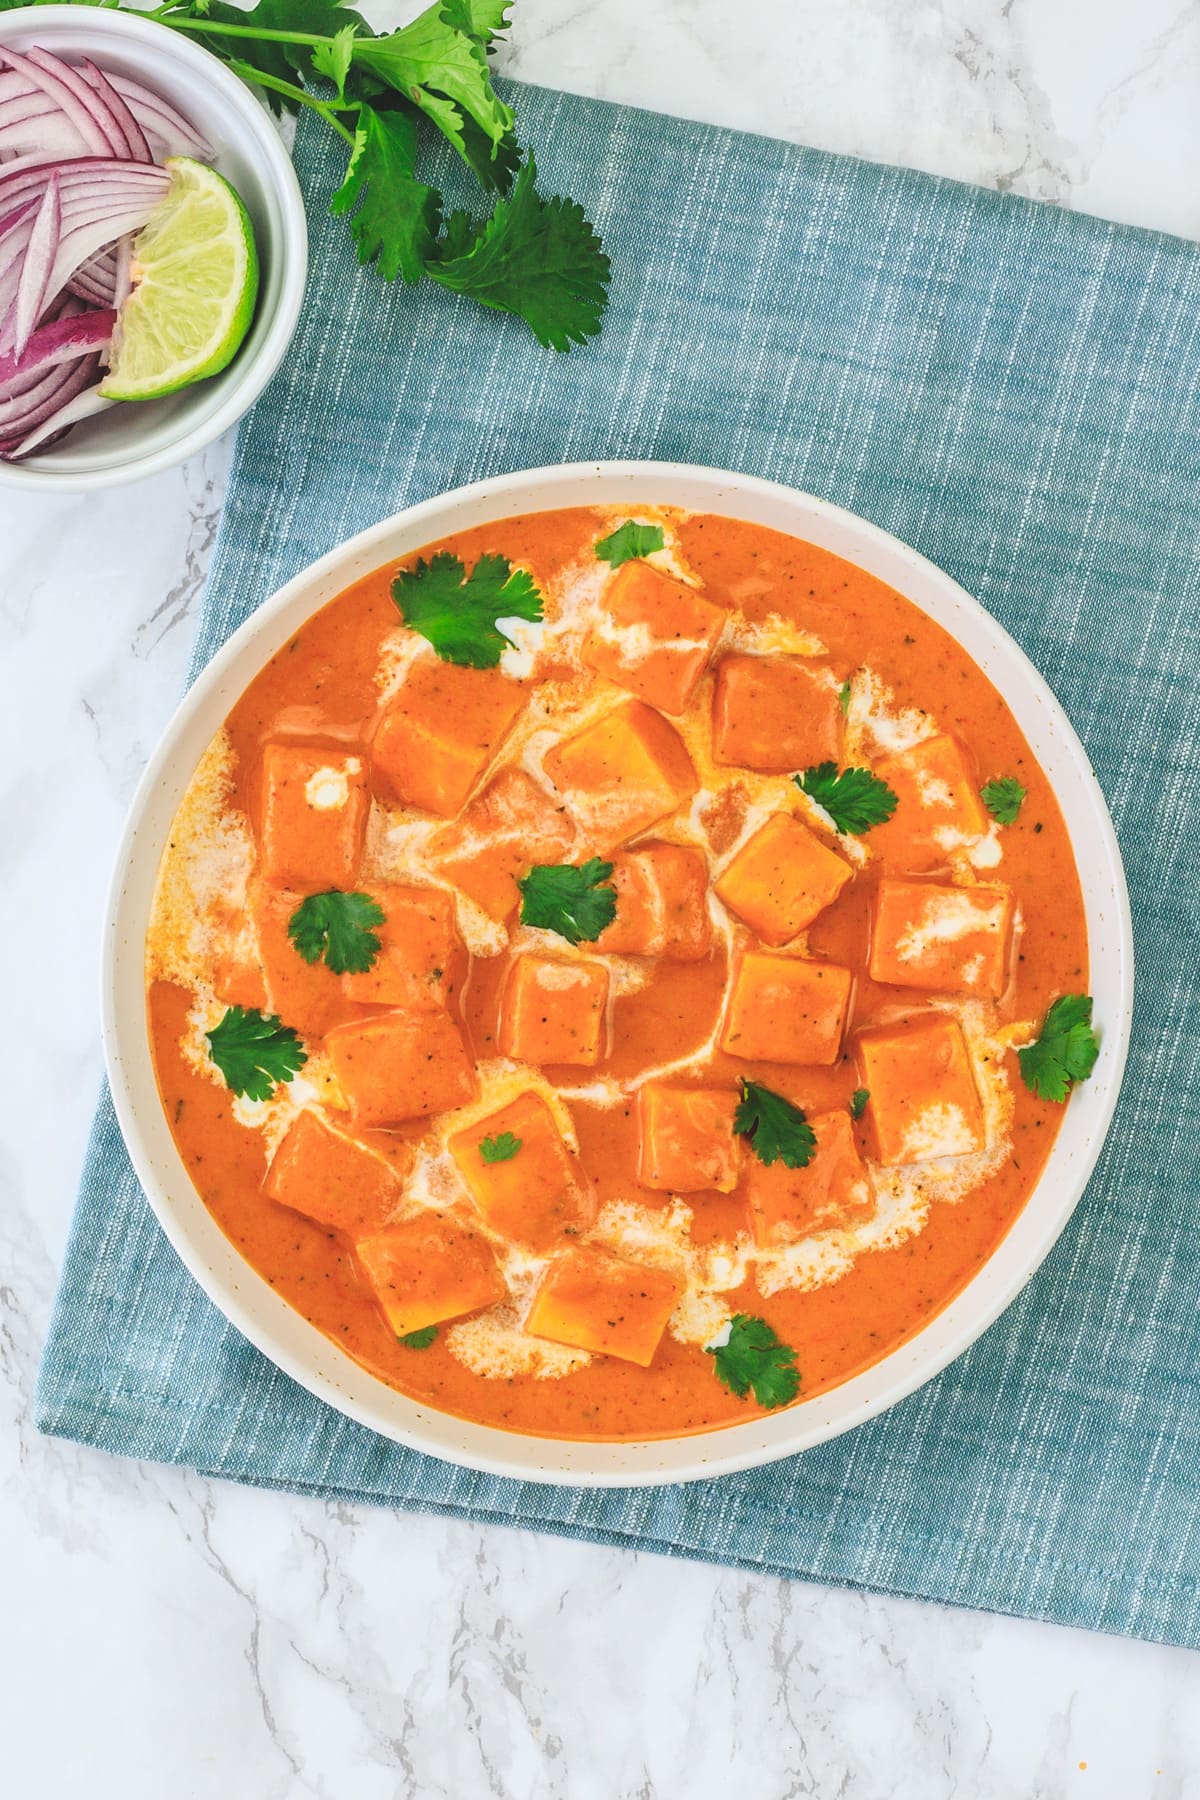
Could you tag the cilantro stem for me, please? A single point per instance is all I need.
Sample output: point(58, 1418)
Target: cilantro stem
point(261, 79)
point(259, 33)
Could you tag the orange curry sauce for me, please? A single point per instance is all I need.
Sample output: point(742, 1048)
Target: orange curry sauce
point(320, 690)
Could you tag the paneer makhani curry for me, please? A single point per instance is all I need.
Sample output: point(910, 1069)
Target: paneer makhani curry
point(618, 972)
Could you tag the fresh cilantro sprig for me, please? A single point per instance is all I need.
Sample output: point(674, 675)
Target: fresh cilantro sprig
point(533, 256)
point(1003, 799)
point(338, 927)
point(629, 541)
point(1065, 1051)
point(419, 1340)
point(575, 900)
point(754, 1359)
point(854, 799)
point(858, 1102)
point(500, 1149)
point(459, 613)
point(777, 1130)
point(254, 1052)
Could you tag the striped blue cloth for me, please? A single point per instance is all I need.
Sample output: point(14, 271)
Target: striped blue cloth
point(1016, 391)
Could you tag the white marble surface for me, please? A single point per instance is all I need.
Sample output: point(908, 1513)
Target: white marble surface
point(168, 1638)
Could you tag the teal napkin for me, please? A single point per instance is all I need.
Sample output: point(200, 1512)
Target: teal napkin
point(1014, 390)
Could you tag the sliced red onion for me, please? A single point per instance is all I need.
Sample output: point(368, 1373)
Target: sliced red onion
point(20, 414)
point(160, 120)
point(123, 279)
point(33, 289)
point(72, 334)
point(74, 248)
point(84, 122)
point(96, 280)
point(85, 405)
point(90, 99)
point(135, 138)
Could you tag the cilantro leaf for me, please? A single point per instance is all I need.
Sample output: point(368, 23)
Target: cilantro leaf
point(419, 1340)
point(777, 1130)
point(1003, 799)
point(855, 800)
point(458, 613)
point(483, 20)
point(499, 1149)
point(443, 70)
point(333, 59)
point(858, 1102)
point(278, 61)
point(337, 926)
point(540, 259)
point(1065, 1051)
point(755, 1359)
point(576, 901)
point(398, 216)
point(254, 1052)
point(844, 698)
point(628, 541)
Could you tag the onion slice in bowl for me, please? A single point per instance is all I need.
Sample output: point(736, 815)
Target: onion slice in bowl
point(37, 268)
point(72, 334)
point(83, 405)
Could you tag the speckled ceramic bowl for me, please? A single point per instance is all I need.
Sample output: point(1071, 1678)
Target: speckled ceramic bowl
point(295, 1345)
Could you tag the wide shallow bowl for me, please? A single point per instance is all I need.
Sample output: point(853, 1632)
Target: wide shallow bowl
point(295, 1345)
point(141, 437)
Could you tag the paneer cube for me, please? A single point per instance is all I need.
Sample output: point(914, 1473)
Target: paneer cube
point(512, 825)
point(429, 1269)
point(623, 773)
point(307, 996)
point(832, 1190)
point(554, 1011)
point(662, 904)
point(238, 976)
point(954, 940)
point(685, 1138)
point(535, 1196)
point(785, 1009)
point(938, 813)
point(401, 1065)
point(440, 731)
point(592, 1300)
point(781, 879)
point(776, 714)
point(422, 960)
point(332, 1178)
point(924, 1102)
point(655, 637)
point(314, 813)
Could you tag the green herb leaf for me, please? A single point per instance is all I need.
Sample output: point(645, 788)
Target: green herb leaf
point(628, 541)
point(777, 1130)
point(398, 216)
point(254, 1052)
point(537, 258)
point(844, 698)
point(855, 800)
point(483, 20)
point(1065, 1051)
point(268, 56)
point(458, 613)
point(858, 1102)
point(576, 901)
point(756, 1360)
point(337, 926)
point(332, 59)
point(499, 1149)
point(443, 69)
point(419, 1340)
point(1003, 799)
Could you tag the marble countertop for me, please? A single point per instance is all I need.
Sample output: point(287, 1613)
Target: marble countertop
point(171, 1638)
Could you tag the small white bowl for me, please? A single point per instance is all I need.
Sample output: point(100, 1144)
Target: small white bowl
point(140, 438)
point(298, 1347)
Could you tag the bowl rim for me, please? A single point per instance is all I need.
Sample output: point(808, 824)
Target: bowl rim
point(262, 142)
point(298, 1348)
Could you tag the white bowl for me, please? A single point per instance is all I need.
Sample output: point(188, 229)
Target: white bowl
point(295, 1345)
point(140, 438)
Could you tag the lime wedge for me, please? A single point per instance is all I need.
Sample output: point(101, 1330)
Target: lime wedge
point(195, 272)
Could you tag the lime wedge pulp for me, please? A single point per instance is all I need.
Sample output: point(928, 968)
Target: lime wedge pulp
point(195, 272)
